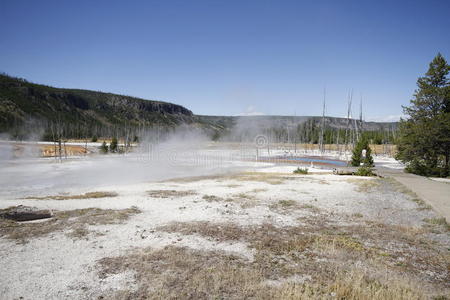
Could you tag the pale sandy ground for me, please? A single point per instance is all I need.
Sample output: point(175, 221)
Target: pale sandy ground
point(57, 266)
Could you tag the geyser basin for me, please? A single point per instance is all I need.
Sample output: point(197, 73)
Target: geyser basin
point(313, 159)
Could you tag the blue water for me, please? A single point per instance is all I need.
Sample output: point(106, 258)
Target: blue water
point(313, 159)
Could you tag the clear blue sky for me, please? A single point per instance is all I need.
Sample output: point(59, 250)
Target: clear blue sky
point(230, 57)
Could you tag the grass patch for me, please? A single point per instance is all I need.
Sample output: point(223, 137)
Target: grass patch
point(365, 171)
point(319, 248)
point(90, 195)
point(73, 220)
point(181, 273)
point(170, 193)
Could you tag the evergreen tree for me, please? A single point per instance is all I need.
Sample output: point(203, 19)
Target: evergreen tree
point(424, 139)
point(104, 147)
point(357, 157)
point(113, 145)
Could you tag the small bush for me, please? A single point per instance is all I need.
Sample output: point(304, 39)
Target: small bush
point(365, 171)
point(301, 171)
point(94, 139)
point(104, 148)
point(113, 147)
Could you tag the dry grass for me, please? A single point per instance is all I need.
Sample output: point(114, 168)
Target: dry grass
point(288, 206)
point(244, 200)
point(365, 185)
point(180, 273)
point(270, 178)
point(438, 221)
point(212, 198)
point(90, 195)
point(233, 185)
point(170, 193)
point(259, 190)
point(320, 248)
point(244, 196)
point(193, 178)
point(399, 187)
point(73, 220)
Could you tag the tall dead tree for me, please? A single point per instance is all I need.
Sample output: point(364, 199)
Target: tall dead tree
point(321, 138)
point(349, 111)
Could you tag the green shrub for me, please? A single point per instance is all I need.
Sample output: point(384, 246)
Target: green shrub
point(365, 171)
point(113, 145)
point(301, 171)
point(104, 148)
point(357, 158)
point(94, 139)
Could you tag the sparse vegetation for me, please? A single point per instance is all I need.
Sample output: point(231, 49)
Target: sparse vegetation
point(364, 171)
point(212, 198)
point(113, 146)
point(270, 178)
point(365, 186)
point(170, 193)
point(440, 221)
point(287, 203)
point(301, 170)
point(104, 148)
point(174, 272)
point(322, 253)
point(90, 195)
point(413, 196)
point(73, 220)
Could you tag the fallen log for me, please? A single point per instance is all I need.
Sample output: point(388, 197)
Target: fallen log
point(24, 213)
point(346, 171)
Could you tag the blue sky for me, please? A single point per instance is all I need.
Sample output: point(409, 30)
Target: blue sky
point(230, 57)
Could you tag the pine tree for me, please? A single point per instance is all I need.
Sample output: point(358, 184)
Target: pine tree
point(104, 147)
point(113, 145)
point(424, 139)
point(357, 157)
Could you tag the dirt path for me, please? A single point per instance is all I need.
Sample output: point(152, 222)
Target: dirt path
point(436, 194)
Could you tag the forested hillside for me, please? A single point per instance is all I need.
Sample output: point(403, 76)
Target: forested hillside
point(44, 112)
point(24, 104)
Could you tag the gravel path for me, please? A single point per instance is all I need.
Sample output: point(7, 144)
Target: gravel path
point(435, 193)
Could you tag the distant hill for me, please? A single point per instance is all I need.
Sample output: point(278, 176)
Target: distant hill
point(290, 121)
point(21, 100)
point(87, 113)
